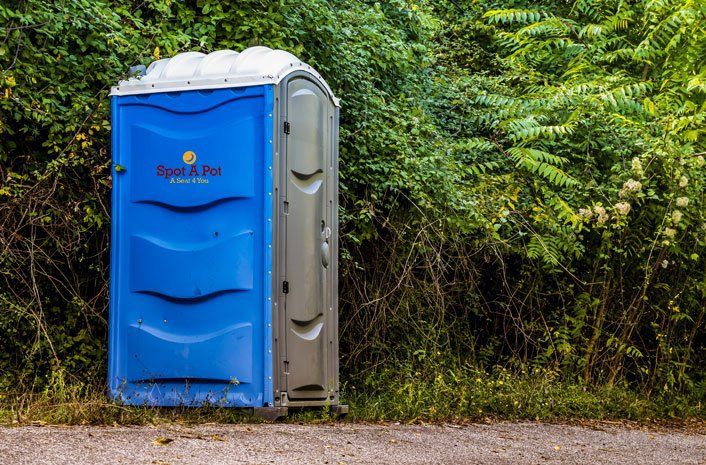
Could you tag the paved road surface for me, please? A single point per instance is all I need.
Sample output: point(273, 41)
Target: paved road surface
point(351, 443)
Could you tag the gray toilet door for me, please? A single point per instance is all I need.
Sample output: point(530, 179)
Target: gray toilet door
point(308, 241)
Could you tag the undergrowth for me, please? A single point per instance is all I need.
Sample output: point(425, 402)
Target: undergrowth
point(77, 402)
point(402, 393)
point(473, 394)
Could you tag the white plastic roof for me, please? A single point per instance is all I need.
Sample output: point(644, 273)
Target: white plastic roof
point(221, 69)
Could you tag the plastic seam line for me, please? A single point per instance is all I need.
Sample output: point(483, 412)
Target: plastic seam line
point(113, 383)
point(267, 269)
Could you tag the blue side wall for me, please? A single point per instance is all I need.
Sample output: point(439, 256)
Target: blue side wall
point(190, 307)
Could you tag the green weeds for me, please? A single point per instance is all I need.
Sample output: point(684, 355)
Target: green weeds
point(471, 394)
point(400, 393)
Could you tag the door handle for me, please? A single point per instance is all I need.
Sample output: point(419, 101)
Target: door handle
point(325, 253)
point(325, 249)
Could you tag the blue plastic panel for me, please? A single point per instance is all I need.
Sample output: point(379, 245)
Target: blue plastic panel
point(190, 307)
point(226, 265)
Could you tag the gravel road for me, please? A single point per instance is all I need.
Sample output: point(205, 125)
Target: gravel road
point(352, 443)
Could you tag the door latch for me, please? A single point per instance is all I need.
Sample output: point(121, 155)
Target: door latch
point(285, 287)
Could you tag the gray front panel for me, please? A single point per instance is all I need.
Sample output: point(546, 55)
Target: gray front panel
point(308, 252)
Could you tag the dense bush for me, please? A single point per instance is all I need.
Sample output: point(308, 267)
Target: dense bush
point(522, 182)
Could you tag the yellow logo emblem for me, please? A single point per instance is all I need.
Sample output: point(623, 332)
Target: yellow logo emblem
point(189, 157)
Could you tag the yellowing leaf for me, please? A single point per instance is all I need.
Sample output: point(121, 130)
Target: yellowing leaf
point(163, 441)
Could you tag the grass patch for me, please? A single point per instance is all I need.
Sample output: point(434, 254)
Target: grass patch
point(466, 393)
point(82, 403)
point(404, 394)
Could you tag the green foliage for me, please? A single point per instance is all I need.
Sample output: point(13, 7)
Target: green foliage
point(452, 392)
point(522, 187)
point(578, 239)
point(607, 123)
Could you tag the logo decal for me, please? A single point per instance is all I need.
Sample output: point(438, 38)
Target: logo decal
point(190, 172)
point(189, 157)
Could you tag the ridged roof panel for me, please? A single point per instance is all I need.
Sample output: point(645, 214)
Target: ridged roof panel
point(221, 69)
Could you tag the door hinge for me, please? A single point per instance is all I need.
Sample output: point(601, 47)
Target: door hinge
point(287, 127)
point(285, 287)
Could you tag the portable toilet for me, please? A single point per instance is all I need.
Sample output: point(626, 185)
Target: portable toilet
point(224, 234)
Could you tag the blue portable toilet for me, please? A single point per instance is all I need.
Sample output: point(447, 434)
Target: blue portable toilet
point(224, 234)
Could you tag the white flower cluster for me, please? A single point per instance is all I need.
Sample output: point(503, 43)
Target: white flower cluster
point(622, 208)
point(630, 186)
point(682, 202)
point(683, 181)
point(636, 166)
point(602, 216)
point(586, 213)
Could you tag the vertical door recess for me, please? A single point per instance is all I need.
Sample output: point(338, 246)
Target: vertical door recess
point(307, 219)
